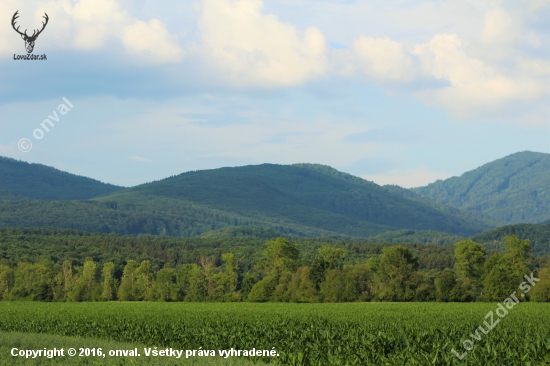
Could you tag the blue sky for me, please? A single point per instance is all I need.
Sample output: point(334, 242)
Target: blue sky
point(398, 92)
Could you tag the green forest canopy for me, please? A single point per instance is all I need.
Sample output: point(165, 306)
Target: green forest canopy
point(513, 189)
point(46, 183)
point(277, 270)
point(302, 199)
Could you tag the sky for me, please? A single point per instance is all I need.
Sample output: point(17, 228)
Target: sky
point(397, 92)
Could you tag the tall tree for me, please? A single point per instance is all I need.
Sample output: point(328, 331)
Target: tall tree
point(227, 280)
point(144, 279)
point(33, 281)
point(333, 287)
point(541, 291)
point(249, 280)
point(516, 249)
point(508, 270)
point(109, 282)
point(7, 277)
point(196, 284)
point(281, 261)
point(359, 282)
point(444, 285)
point(469, 259)
point(85, 287)
point(282, 254)
point(327, 258)
point(397, 265)
point(301, 288)
point(126, 291)
point(165, 284)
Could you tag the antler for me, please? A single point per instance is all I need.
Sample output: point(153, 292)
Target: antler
point(15, 16)
point(43, 25)
point(34, 34)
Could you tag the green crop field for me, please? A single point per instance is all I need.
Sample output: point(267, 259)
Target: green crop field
point(301, 334)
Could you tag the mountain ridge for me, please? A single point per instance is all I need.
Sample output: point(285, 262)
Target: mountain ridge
point(308, 189)
point(302, 199)
point(513, 189)
point(37, 181)
point(538, 235)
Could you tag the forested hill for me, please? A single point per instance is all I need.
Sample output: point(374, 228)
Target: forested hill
point(299, 200)
point(513, 189)
point(19, 180)
point(305, 199)
point(538, 235)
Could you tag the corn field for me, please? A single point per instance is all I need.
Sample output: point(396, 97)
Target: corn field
point(305, 334)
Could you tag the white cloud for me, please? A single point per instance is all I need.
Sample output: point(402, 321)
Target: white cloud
point(249, 48)
point(470, 87)
point(478, 60)
point(500, 27)
point(90, 25)
point(533, 67)
point(502, 32)
point(383, 59)
point(95, 21)
point(474, 86)
point(537, 5)
point(407, 178)
point(152, 39)
point(490, 58)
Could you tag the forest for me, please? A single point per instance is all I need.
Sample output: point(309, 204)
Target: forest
point(303, 199)
point(512, 190)
point(47, 184)
point(51, 266)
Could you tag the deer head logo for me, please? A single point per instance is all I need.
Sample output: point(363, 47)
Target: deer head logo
point(29, 40)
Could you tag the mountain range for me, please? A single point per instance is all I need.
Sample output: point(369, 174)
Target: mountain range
point(301, 200)
point(21, 180)
point(512, 190)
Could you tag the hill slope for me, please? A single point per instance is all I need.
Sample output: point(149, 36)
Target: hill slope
point(302, 200)
point(513, 189)
point(538, 235)
point(18, 178)
point(303, 195)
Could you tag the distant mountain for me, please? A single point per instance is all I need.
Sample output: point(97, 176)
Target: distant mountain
point(513, 189)
point(19, 180)
point(299, 200)
point(460, 212)
point(539, 236)
point(309, 198)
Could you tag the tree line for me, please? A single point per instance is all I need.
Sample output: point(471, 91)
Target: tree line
point(283, 275)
